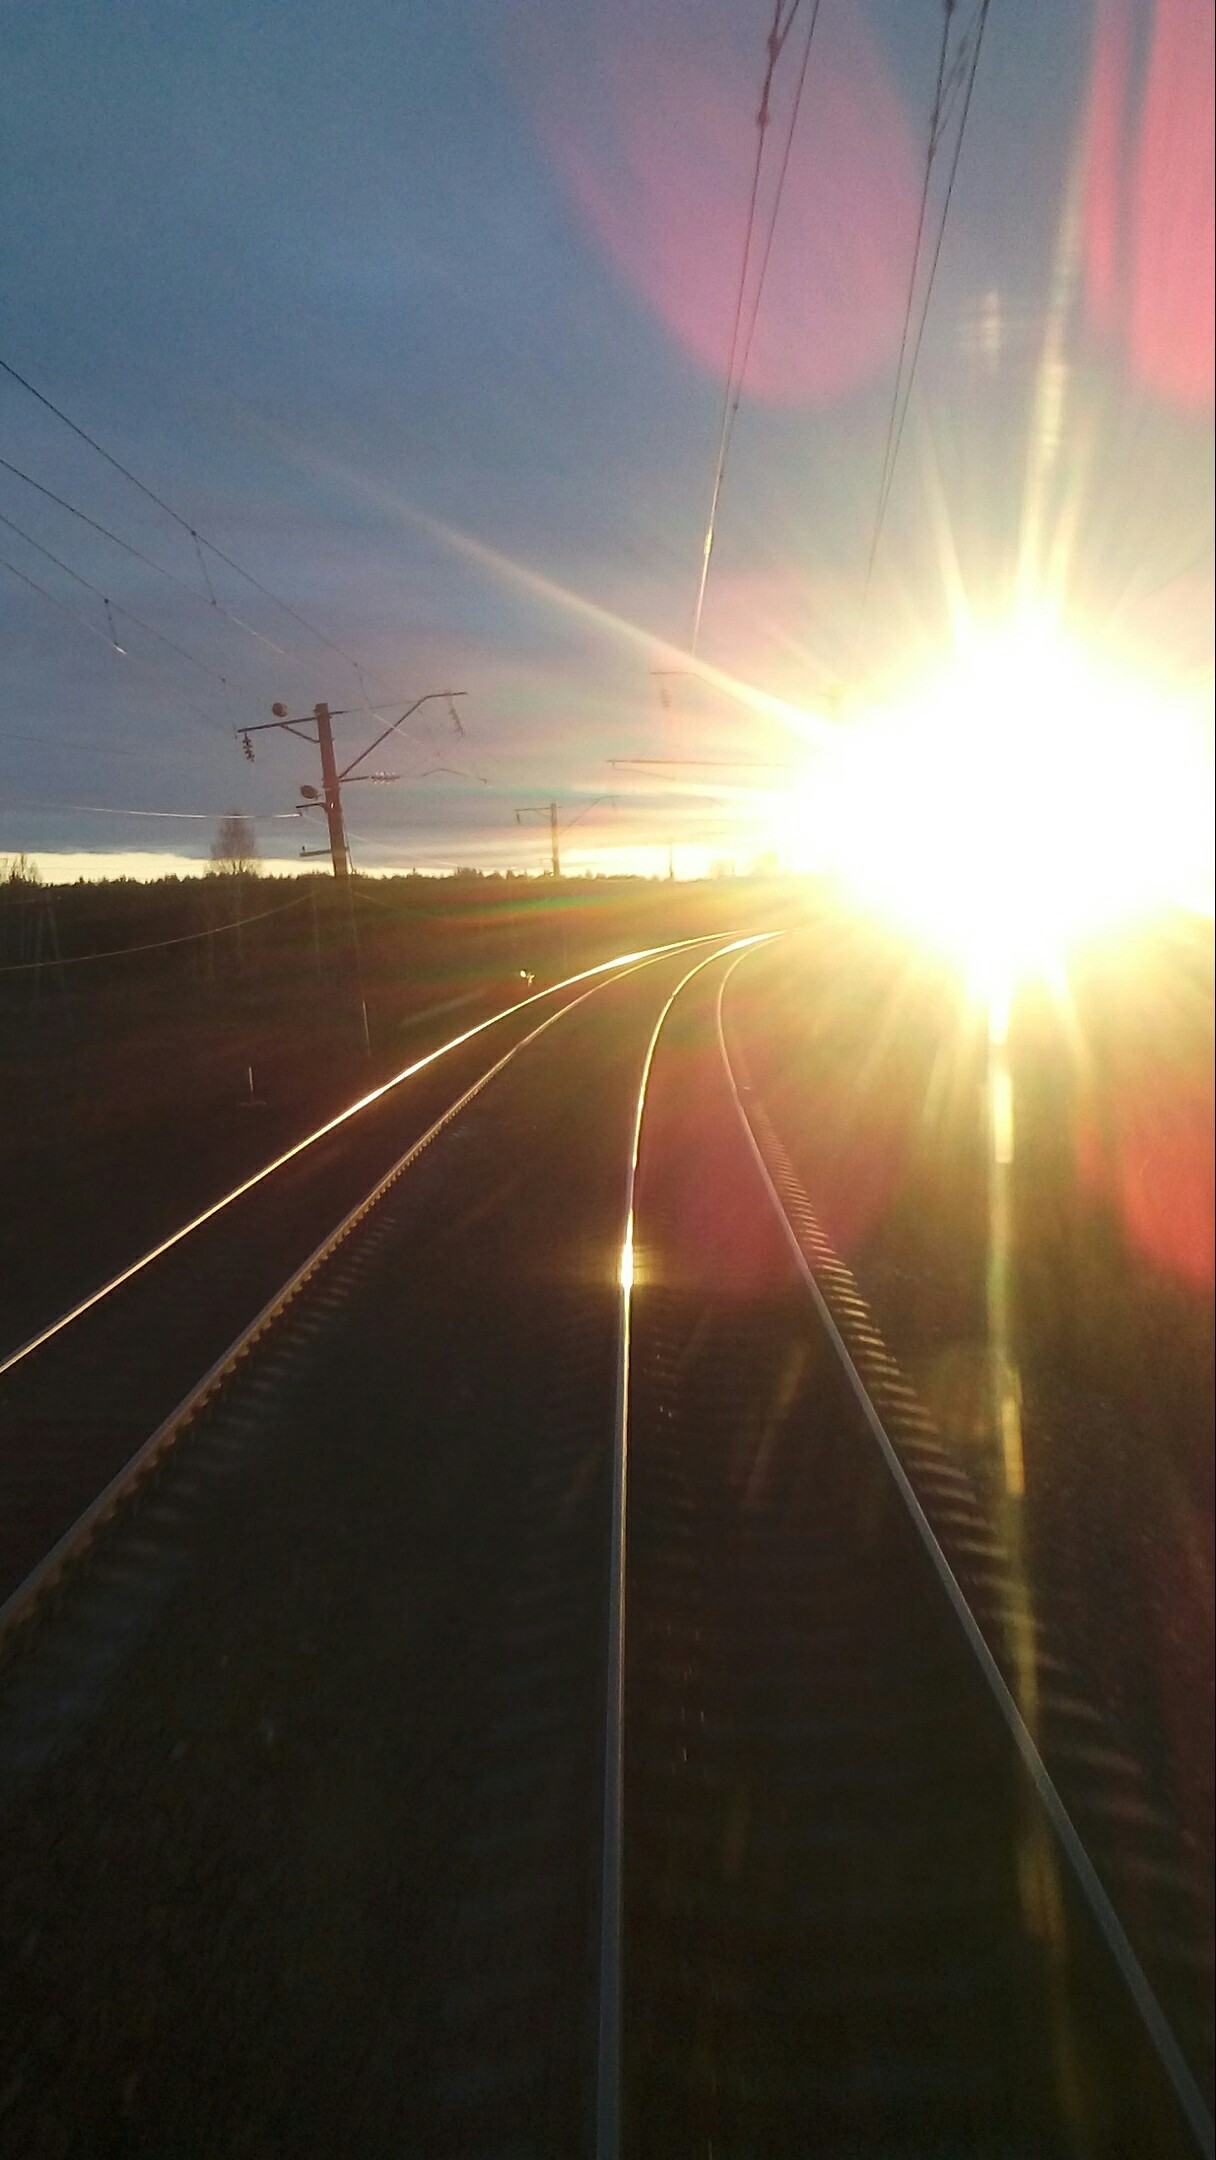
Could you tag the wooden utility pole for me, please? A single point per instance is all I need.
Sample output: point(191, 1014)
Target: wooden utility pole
point(332, 786)
point(329, 796)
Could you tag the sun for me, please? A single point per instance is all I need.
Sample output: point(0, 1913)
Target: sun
point(1029, 796)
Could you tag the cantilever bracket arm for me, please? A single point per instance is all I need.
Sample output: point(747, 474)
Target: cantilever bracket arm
point(392, 729)
point(282, 727)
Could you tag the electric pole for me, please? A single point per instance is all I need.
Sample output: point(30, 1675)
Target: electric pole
point(542, 810)
point(339, 851)
point(329, 797)
point(549, 811)
point(331, 779)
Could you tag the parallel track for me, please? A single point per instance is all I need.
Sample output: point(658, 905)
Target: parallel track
point(1118, 1835)
point(77, 1399)
point(559, 1783)
point(860, 1918)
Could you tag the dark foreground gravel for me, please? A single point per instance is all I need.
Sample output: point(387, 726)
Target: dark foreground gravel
point(870, 1074)
point(73, 1411)
point(299, 1837)
point(849, 1926)
point(302, 1776)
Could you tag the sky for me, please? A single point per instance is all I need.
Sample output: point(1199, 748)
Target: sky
point(422, 317)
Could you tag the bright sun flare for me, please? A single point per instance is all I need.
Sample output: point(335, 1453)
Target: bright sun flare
point(1030, 797)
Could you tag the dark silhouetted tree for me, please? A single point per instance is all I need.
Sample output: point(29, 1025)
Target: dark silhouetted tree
point(234, 850)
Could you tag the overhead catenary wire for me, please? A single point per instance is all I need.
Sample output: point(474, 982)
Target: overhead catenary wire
point(194, 817)
point(200, 542)
point(456, 772)
point(782, 24)
point(199, 538)
point(958, 68)
point(941, 234)
point(67, 742)
point(183, 584)
point(228, 684)
point(107, 640)
point(903, 392)
point(935, 122)
point(745, 355)
point(92, 628)
point(117, 607)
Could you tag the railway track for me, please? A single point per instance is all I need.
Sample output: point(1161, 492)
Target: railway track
point(429, 1758)
point(77, 1397)
point(859, 1916)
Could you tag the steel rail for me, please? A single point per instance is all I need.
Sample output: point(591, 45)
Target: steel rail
point(23, 1602)
point(608, 2033)
point(1160, 2032)
point(156, 1252)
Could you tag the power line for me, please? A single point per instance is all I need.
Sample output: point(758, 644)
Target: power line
point(120, 952)
point(905, 333)
point(969, 73)
point(192, 817)
point(776, 42)
point(61, 565)
point(90, 749)
point(92, 628)
point(941, 234)
point(728, 764)
point(107, 639)
point(111, 643)
point(117, 607)
point(182, 583)
point(902, 401)
point(772, 226)
point(200, 539)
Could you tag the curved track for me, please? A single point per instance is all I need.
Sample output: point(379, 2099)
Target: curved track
point(85, 1390)
point(330, 1772)
point(857, 1915)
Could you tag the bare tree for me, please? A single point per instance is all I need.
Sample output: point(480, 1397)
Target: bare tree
point(19, 870)
point(234, 850)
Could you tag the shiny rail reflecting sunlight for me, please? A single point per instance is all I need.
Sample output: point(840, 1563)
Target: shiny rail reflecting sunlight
point(363, 1102)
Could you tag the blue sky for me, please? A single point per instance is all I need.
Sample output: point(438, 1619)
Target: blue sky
point(421, 314)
